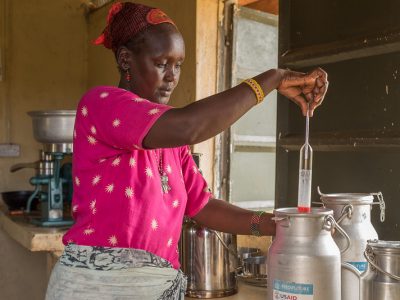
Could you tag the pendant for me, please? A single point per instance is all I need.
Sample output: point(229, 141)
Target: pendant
point(164, 183)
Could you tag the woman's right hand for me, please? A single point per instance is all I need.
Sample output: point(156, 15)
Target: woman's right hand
point(304, 88)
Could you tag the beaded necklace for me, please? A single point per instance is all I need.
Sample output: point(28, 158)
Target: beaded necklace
point(163, 175)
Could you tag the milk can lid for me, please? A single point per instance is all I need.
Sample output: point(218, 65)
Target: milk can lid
point(293, 212)
point(387, 245)
point(346, 198)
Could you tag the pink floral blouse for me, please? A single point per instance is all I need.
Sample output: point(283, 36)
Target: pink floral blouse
point(118, 198)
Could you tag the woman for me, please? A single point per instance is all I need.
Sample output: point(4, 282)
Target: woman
point(134, 177)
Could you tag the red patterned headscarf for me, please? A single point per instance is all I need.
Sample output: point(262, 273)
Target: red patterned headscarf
point(125, 20)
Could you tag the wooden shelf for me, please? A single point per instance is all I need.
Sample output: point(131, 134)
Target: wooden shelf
point(371, 45)
point(345, 141)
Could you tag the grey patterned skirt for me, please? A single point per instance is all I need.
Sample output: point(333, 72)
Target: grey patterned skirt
point(85, 272)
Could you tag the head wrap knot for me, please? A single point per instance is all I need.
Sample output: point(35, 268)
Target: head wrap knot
point(125, 20)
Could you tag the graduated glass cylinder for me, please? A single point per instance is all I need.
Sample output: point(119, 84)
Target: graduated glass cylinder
point(305, 175)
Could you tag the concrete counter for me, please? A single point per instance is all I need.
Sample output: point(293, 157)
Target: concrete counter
point(32, 237)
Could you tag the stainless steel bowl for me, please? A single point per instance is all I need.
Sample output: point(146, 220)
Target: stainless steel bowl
point(53, 126)
point(255, 266)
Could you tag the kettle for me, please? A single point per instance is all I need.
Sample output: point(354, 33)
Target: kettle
point(208, 258)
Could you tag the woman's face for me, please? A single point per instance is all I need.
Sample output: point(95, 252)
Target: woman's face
point(155, 69)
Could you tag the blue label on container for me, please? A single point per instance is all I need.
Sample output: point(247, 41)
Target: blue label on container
point(293, 287)
point(360, 265)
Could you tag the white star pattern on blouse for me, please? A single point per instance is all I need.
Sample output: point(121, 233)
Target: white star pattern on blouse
point(168, 168)
point(175, 204)
point(138, 99)
point(129, 192)
point(101, 160)
point(132, 162)
point(195, 170)
point(74, 133)
point(84, 111)
point(91, 140)
point(169, 243)
point(93, 204)
point(77, 181)
point(149, 172)
point(110, 188)
point(93, 130)
point(116, 122)
point(75, 208)
point(96, 179)
point(88, 231)
point(94, 210)
point(103, 95)
point(153, 111)
point(116, 162)
point(154, 224)
point(113, 240)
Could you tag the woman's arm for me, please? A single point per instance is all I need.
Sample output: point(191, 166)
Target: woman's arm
point(206, 118)
point(223, 216)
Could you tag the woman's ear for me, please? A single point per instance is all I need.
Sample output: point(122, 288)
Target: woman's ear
point(124, 57)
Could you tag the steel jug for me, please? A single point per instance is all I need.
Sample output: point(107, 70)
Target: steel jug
point(303, 260)
point(209, 260)
point(352, 211)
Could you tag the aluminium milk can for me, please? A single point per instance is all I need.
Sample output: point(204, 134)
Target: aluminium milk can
point(303, 260)
point(352, 211)
point(381, 281)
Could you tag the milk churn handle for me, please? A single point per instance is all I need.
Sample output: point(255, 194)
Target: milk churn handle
point(279, 219)
point(224, 244)
point(320, 193)
point(330, 223)
point(369, 255)
point(347, 211)
point(381, 203)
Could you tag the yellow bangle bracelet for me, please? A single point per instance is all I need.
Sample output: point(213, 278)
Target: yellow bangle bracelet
point(255, 86)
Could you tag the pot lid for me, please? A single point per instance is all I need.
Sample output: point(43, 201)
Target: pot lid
point(384, 245)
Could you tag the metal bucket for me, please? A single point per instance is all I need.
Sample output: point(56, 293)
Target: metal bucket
point(209, 259)
point(54, 127)
point(352, 211)
point(382, 280)
point(303, 260)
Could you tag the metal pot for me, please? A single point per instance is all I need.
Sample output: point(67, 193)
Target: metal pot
point(303, 260)
point(53, 126)
point(384, 260)
point(209, 259)
point(255, 266)
point(245, 252)
point(353, 212)
point(381, 280)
